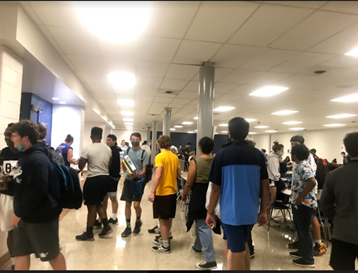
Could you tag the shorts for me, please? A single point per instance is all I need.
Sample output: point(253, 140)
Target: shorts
point(41, 239)
point(165, 206)
point(237, 236)
point(95, 189)
point(112, 189)
point(6, 212)
point(127, 193)
point(343, 256)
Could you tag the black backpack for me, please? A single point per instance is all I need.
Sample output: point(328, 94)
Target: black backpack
point(321, 172)
point(55, 155)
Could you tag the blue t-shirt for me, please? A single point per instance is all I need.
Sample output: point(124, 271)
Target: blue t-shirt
point(63, 149)
point(239, 169)
point(135, 157)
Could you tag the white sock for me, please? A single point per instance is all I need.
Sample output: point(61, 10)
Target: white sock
point(166, 243)
point(318, 241)
point(114, 216)
point(99, 220)
point(13, 260)
point(158, 224)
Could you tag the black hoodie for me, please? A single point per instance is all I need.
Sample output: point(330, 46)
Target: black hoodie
point(33, 201)
point(115, 168)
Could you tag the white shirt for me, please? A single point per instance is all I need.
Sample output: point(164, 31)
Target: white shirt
point(98, 156)
point(147, 149)
point(174, 149)
point(124, 150)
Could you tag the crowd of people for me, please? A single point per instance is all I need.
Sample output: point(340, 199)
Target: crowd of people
point(230, 192)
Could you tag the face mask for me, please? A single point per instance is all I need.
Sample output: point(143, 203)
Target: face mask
point(280, 155)
point(135, 143)
point(20, 148)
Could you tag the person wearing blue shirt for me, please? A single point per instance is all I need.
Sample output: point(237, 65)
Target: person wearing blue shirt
point(67, 151)
point(240, 179)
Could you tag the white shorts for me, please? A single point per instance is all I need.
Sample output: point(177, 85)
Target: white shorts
point(6, 212)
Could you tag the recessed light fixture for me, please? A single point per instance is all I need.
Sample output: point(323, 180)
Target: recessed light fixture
point(127, 113)
point(262, 127)
point(187, 123)
point(128, 123)
point(125, 102)
point(172, 129)
point(121, 80)
point(196, 130)
point(224, 109)
point(118, 21)
point(250, 119)
point(353, 52)
point(54, 98)
point(62, 102)
point(191, 132)
point(178, 126)
point(252, 133)
point(342, 116)
point(268, 91)
point(129, 128)
point(127, 119)
point(296, 129)
point(291, 122)
point(284, 112)
point(225, 132)
point(223, 125)
point(334, 125)
point(347, 99)
point(196, 118)
point(271, 131)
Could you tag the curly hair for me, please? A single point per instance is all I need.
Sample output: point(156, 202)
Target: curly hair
point(26, 128)
point(42, 131)
point(164, 142)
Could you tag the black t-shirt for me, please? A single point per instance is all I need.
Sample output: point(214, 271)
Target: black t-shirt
point(186, 150)
point(8, 154)
point(115, 168)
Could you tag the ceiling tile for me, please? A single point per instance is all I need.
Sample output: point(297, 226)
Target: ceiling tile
point(342, 62)
point(341, 6)
point(145, 91)
point(348, 73)
point(144, 82)
point(243, 90)
point(239, 76)
point(143, 98)
point(223, 88)
point(216, 21)
point(232, 55)
point(192, 86)
point(300, 4)
point(84, 63)
point(219, 73)
point(98, 78)
point(101, 88)
point(155, 70)
point(193, 52)
point(310, 31)
point(296, 80)
point(268, 78)
point(267, 24)
point(107, 96)
point(173, 84)
point(123, 51)
point(187, 95)
point(181, 101)
point(162, 99)
point(155, 49)
point(181, 72)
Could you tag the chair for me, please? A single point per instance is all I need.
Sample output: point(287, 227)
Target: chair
point(324, 224)
point(283, 207)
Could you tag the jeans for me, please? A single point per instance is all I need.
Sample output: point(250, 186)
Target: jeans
point(302, 221)
point(204, 240)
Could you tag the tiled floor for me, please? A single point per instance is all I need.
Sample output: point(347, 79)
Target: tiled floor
point(135, 252)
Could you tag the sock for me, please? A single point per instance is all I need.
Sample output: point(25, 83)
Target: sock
point(13, 261)
point(166, 243)
point(105, 222)
point(128, 223)
point(99, 220)
point(318, 242)
point(89, 231)
point(138, 218)
point(114, 216)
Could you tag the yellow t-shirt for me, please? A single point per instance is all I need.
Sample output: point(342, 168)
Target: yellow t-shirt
point(168, 181)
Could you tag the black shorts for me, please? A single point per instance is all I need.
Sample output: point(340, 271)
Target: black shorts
point(113, 187)
point(164, 207)
point(343, 255)
point(96, 188)
point(237, 236)
point(127, 193)
point(40, 239)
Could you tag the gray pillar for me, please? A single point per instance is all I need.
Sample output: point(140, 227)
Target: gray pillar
point(148, 134)
point(167, 114)
point(205, 104)
point(154, 141)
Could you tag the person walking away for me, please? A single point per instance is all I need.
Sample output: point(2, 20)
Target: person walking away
point(67, 151)
point(186, 156)
point(124, 149)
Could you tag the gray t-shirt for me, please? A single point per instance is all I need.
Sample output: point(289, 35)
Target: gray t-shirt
point(98, 156)
point(135, 157)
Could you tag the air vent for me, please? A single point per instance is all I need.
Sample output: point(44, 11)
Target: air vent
point(319, 72)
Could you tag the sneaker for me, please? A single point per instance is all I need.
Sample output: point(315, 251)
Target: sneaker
point(295, 255)
point(154, 230)
point(161, 249)
point(84, 237)
point(293, 245)
point(97, 224)
point(319, 249)
point(206, 266)
point(13, 267)
point(198, 252)
point(112, 221)
point(105, 231)
point(170, 236)
point(126, 232)
point(137, 226)
point(273, 223)
point(252, 251)
point(301, 262)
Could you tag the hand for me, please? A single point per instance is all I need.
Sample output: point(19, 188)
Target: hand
point(183, 197)
point(299, 200)
point(211, 221)
point(262, 219)
point(135, 175)
point(151, 197)
point(14, 220)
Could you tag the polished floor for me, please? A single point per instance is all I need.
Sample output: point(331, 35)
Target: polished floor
point(134, 252)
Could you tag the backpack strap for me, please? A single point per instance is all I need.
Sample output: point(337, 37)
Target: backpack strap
point(141, 156)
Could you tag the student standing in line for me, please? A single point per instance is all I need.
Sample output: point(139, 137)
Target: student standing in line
point(67, 151)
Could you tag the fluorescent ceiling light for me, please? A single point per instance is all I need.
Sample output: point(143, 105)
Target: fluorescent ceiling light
point(271, 131)
point(225, 132)
point(196, 130)
point(54, 98)
point(262, 127)
point(353, 52)
point(187, 123)
point(62, 102)
point(178, 126)
point(347, 99)
point(172, 129)
point(191, 132)
point(196, 118)
point(296, 129)
point(118, 21)
point(224, 109)
point(250, 119)
point(127, 119)
point(252, 133)
point(127, 113)
point(284, 112)
point(121, 80)
point(342, 116)
point(223, 125)
point(334, 125)
point(125, 102)
point(292, 122)
point(268, 91)
point(128, 123)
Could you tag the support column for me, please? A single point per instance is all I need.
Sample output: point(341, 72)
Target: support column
point(166, 121)
point(206, 101)
point(148, 134)
point(154, 141)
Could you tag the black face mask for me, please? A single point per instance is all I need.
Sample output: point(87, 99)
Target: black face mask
point(135, 143)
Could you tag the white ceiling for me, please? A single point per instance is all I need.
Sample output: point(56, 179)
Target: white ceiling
point(252, 44)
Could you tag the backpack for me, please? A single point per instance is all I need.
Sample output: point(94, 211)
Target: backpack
point(321, 172)
point(55, 155)
point(149, 171)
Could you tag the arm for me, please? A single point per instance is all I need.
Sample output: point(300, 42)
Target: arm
point(264, 196)
point(110, 162)
point(273, 165)
point(214, 197)
point(156, 181)
point(190, 181)
point(328, 198)
point(69, 157)
point(311, 183)
point(82, 163)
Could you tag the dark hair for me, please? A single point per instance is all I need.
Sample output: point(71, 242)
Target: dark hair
point(10, 124)
point(313, 151)
point(189, 143)
point(250, 142)
point(145, 142)
point(276, 146)
point(238, 128)
point(42, 131)
point(332, 166)
point(69, 139)
point(207, 145)
point(96, 132)
point(351, 144)
point(164, 142)
point(301, 152)
point(26, 128)
point(263, 150)
point(113, 137)
point(136, 134)
point(343, 153)
point(298, 139)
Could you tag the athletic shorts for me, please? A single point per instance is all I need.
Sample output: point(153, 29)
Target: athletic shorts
point(237, 236)
point(127, 195)
point(164, 207)
point(6, 211)
point(343, 256)
point(95, 189)
point(112, 189)
point(40, 239)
